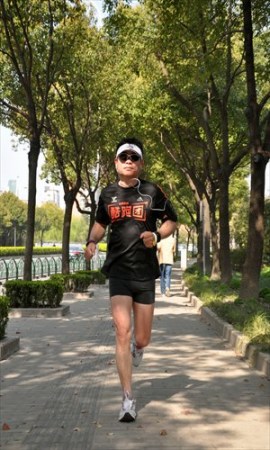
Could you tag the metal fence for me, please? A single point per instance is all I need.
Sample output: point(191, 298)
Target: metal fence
point(44, 266)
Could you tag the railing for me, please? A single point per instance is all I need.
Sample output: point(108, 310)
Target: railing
point(44, 266)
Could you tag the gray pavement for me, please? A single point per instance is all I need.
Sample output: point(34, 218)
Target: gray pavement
point(60, 391)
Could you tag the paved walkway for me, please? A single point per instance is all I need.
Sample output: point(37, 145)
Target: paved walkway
point(61, 390)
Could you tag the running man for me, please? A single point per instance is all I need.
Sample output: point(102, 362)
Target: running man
point(131, 207)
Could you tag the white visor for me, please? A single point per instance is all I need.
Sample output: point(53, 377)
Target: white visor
point(129, 147)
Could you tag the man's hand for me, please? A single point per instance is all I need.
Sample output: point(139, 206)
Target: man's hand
point(148, 239)
point(90, 251)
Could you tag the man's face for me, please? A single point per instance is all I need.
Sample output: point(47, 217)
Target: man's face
point(128, 164)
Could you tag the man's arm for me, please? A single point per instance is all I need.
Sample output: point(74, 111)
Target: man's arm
point(96, 235)
point(167, 228)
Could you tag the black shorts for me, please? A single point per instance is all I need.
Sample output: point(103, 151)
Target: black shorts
point(140, 291)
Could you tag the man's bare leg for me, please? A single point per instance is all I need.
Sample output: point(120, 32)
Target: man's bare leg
point(121, 312)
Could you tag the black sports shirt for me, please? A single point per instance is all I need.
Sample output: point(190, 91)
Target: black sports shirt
point(130, 212)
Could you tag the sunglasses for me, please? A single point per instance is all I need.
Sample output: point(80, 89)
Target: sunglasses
point(124, 157)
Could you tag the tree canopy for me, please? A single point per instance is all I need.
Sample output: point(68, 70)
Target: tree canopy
point(181, 76)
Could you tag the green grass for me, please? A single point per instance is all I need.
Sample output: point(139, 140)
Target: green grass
point(251, 317)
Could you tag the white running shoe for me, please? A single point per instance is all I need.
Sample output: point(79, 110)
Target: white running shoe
point(128, 411)
point(137, 355)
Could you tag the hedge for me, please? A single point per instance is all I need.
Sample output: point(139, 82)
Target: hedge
point(4, 308)
point(95, 276)
point(34, 294)
point(80, 280)
point(19, 251)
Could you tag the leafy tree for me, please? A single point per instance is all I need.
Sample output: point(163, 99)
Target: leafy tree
point(258, 119)
point(239, 194)
point(12, 219)
point(75, 123)
point(79, 229)
point(188, 60)
point(49, 217)
point(202, 70)
point(32, 42)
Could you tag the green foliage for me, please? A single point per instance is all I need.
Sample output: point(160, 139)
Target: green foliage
point(102, 246)
point(79, 229)
point(79, 281)
point(239, 201)
point(34, 294)
point(4, 308)
point(12, 218)
point(238, 259)
point(19, 251)
point(264, 295)
point(95, 276)
point(48, 223)
point(36, 40)
point(251, 317)
point(257, 328)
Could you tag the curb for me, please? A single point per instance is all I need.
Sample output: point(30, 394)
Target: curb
point(239, 342)
point(16, 313)
point(8, 346)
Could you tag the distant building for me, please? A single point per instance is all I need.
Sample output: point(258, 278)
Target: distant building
point(12, 186)
point(51, 194)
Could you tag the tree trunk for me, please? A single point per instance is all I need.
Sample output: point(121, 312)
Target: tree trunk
point(93, 206)
point(252, 266)
point(205, 237)
point(224, 253)
point(215, 273)
point(31, 211)
point(69, 201)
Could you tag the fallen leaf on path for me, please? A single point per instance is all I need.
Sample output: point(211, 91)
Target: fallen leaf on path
point(163, 433)
point(5, 427)
point(111, 362)
point(187, 412)
point(98, 425)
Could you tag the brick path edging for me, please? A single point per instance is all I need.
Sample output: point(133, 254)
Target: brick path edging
point(62, 310)
point(8, 346)
point(239, 342)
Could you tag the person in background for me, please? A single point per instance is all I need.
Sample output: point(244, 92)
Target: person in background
point(166, 251)
point(131, 207)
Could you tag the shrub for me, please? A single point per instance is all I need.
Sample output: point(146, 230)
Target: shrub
point(102, 246)
point(265, 295)
point(238, 258)
point(19, 251)
point(95, 276)
point(34, 294)
point(79, 281)
point(257, 328)
point(4, 307)
point(252, 317)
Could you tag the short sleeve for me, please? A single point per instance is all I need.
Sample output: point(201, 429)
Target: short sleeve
point(163, 207)
point(101, 214)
